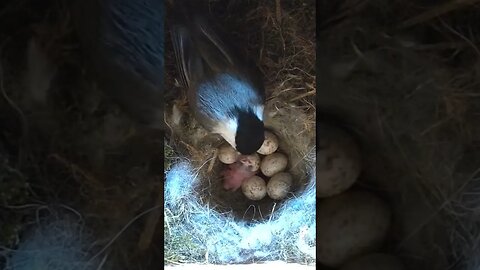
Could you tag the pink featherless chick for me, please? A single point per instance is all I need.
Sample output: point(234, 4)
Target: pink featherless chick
point(237, 173)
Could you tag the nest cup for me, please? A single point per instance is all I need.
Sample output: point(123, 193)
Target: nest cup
point(295, 142)
point(232, 227)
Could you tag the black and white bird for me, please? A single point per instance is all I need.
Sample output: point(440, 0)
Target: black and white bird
point(225, 92)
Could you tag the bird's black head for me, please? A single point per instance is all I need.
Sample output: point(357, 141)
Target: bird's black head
point(250, 133)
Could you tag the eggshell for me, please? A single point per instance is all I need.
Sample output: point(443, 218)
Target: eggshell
point(270, 145)
point(227, 154)
point(273, 164)
point(254, 188)
point(351, 224)
point(375, 261)
point(338, 161)
point(279, 185)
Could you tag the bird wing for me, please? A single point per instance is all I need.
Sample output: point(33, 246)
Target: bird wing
point(214, 50)
point(185, 55)
point(200, 51)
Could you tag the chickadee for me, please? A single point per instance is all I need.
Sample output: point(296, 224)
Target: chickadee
point(226, 93)
point(123, 42)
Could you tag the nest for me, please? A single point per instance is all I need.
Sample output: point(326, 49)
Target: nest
point(401, 76)
point(57, 240)
point(295, 131)
point(64, 142)
point(410, 95)
point(280, 37)
point(290, 112)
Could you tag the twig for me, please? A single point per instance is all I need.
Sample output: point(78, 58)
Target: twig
point(278, 11)
point(440, 208)
point(436, 12)
point(309, 93)
point(214, 158)
point(348, 10)
point(77, 169)
point(150, 226)
point(440, 46)
point(468, 41)
point(122, 230)
point(23, 120)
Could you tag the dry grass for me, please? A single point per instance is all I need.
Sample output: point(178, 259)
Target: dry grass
point(280, 37)
point(242, 266)
point(78, 148)
point(411, 95)
point(403, 75)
